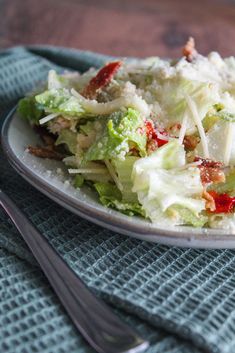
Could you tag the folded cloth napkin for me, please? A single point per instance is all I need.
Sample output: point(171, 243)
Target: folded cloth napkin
point(182, 300)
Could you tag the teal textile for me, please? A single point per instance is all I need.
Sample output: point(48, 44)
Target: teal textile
point(182, 300)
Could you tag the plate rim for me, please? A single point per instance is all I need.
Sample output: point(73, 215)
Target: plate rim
point(207, 238)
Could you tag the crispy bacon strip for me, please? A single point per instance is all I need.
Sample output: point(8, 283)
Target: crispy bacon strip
point(211, 171)
point(48, 138)
point(45, 152)
point(190, 142)
point(103, 77)
point(189, 50)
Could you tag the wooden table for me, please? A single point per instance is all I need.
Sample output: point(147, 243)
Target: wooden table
point(120, 27)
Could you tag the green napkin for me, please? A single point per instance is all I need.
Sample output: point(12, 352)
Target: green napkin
point(182, 300)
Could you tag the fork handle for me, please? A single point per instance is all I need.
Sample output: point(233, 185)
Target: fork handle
point(103, 330)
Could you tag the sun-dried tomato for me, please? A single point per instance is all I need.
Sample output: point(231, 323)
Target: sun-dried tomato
point(190, 142)
point(223, 202)
point(152, 134)
point(102, 78)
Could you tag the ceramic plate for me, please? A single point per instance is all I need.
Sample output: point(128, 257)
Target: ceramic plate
point(51, 178)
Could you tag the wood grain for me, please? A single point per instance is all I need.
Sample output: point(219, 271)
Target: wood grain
point(120, 27)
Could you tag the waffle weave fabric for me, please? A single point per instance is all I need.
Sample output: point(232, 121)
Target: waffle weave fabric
point(182, 300)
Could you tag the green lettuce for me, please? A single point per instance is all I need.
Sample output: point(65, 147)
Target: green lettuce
point(69, 138)
point(87, 128)
point(163, 181)
point(171, 97)
point(124, 170)
point(186, 216)
point(120, 134)
point(60, 101)
point(30, 110)
point(227, 187)
point(110, 196)
point(224, 115)
point(78, 181)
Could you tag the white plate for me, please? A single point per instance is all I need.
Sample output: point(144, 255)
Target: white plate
point(42, 174)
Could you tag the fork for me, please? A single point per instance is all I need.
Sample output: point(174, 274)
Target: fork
point(102, 329)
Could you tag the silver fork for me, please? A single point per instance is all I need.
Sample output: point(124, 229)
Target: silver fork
point(102, 329)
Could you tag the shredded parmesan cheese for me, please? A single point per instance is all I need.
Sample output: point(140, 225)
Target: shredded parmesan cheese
point(198, 123)
point(48, 118)
point(132, 101)
point(183, 128)
point(88, 171)
point(228, 142)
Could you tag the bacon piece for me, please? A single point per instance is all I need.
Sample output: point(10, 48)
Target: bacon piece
point(223, 202)
point(47, 137)
point(45, 152)
point(189, 50)
point(190, 142)
point(210, 171)
point(151, 146)
point(103, 77)
point(209, 163)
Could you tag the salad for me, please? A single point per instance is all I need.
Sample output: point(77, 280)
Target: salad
point(153, 137)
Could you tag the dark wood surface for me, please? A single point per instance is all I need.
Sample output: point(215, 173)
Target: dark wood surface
point(120, 27)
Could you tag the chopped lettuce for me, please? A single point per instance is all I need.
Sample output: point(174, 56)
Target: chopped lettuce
point(30, 110)
point(60, 101)
point(78, 181)
point(161, 181)
point(124, 170)
point(87, 128)
point(69, 138)
point(217, 140)
point(227, 187)
point(110, 196)
point(171, 97)
point(226, 116)
point(186, 217)
point(121, 133)
point(209, 121)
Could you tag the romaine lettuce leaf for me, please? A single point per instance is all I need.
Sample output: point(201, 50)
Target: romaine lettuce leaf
point(87, 128)
point(218, 138)
point(224, 115)
point(60, 101)
point(171, 97)
point(186, 217)
point(124, 170)
point(161, 182)
point(78, 181)
point(69, 138)
point(209, 121)
point(30, 110)
point(110, 196)
point(120, 134)
point(227, 187)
